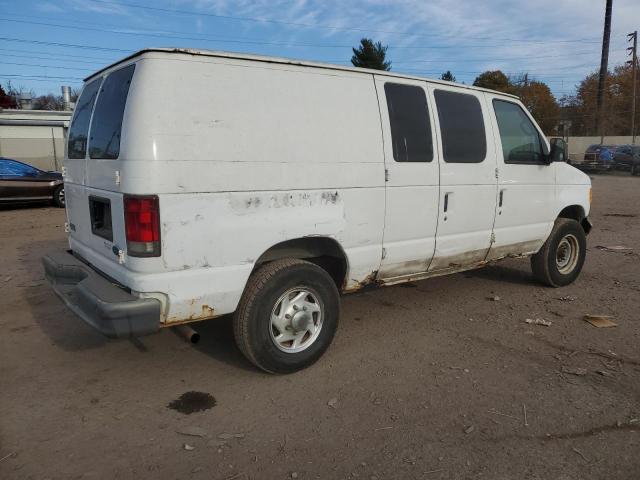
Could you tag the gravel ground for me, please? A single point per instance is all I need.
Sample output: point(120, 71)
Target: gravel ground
point(434, 380)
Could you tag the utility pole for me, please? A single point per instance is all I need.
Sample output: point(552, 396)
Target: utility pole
point(604, 65)
point(634, 66)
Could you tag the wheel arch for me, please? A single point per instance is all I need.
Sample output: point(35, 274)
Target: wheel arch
point(326, 252)
point(577, 213)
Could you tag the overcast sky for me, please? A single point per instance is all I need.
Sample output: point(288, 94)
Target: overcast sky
point(44, 44)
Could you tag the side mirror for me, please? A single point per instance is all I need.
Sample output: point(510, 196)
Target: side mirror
point(558, 152)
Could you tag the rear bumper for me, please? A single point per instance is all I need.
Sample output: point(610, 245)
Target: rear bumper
point(100, 303)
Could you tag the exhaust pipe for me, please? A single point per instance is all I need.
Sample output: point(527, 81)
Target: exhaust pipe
point(188, 333)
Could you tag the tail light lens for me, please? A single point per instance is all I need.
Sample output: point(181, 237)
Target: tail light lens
point(142, 225)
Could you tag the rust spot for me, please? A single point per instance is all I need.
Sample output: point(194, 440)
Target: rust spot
point(330, 197)
point(369, 282)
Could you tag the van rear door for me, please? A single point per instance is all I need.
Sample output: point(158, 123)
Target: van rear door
point(94, 201)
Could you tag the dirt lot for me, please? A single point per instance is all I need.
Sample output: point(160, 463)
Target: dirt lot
point(423, 381)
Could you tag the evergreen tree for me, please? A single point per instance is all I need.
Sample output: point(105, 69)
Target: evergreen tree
point(370, 55)
point(448, 76)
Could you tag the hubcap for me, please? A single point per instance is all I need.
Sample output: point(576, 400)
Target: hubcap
point(567, 254)
point(296, 320)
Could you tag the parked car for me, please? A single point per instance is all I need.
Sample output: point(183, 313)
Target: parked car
point(635, 162)
point(598, 158)
point(265, 187)
point(623, 157)
point(22, 183)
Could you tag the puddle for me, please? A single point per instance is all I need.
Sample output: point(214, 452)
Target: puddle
point(190, 402)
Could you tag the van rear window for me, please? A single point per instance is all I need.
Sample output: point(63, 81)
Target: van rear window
point(462, 127)
point(409, 120)
point(77, 144)
point(106, 126)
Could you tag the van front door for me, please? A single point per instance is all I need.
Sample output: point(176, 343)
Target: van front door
point(467, 179)
point(411, 168)
point(526, 182)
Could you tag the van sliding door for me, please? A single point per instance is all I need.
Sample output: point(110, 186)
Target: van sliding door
point(412, 177)
point(468, 182)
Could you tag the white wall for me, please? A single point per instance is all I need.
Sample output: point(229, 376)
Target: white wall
point(42, 147)
point(578, 145)
point(36, 137)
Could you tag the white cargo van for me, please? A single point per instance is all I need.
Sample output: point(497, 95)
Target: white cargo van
point(201, 183)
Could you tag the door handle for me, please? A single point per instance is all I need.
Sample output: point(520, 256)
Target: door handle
point(501, 197)
point(446, 202)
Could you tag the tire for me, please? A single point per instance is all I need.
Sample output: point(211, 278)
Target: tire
point(273, 290)
point(58, 196)
point(560, 260)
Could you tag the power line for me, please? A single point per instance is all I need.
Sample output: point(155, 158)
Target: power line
point(71, 45)
point(435, 35)
point(64, 54)
point(327, 27)
point(235, 41)
point(43, 66)
point(39, 76)
point(35, 57)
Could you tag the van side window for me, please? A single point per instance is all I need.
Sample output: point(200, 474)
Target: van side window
point(520, 139)
point(77, 144)
point(462, 127)
point(104, 140)
point(409, 120)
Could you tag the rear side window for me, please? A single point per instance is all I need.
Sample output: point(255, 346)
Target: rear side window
point(104, 141)
point(409, 121)
point(77, 144)
point(462, 127)
point(519, 137)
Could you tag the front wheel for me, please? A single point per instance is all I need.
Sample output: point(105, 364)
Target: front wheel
point(560, 260)
point(58, 196)
point(287, 316)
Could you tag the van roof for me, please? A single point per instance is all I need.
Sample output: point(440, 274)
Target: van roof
point(287, 61)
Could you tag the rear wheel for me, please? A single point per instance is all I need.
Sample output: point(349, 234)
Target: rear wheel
point(58, 196)
point(560, 260)
point(287, 316)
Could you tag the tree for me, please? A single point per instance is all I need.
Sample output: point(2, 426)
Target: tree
point(539, 100)
point(48, 102)
point(6, 99)
point(370, 55)
point(448, 76)
point(580, 109)
point(494, 80)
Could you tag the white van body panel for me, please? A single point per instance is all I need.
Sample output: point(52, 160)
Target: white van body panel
point(245, 153)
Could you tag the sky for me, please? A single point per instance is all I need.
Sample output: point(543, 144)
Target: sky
point(48, 43)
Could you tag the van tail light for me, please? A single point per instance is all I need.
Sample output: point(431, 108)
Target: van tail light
point(142, 225)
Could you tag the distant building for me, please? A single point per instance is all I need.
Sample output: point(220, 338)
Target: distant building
point(36, 137)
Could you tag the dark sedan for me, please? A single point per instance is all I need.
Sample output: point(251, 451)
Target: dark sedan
point(22, 183)
point(598, 158)
point(635, 163)
point(623, 157)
